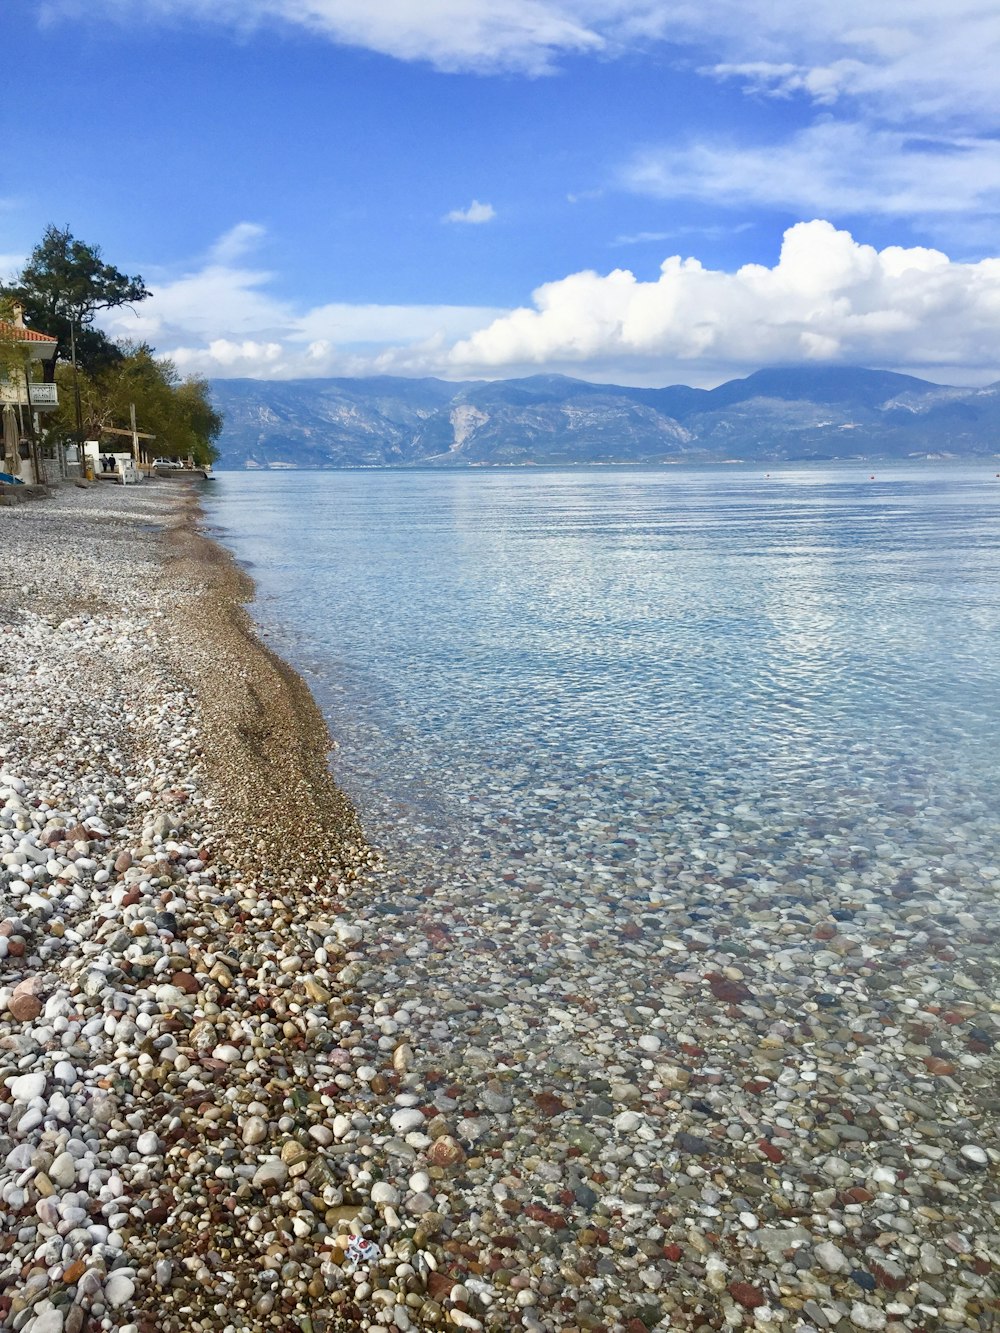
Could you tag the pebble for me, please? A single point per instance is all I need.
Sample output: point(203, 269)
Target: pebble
point(27, 1087)
point(977, 1156)
point(255, 1130)
point(270, 1172)
point(407, 1119)
point(384, 1193)
point(627, 1122)
point(118, 1289)
point(830, 1257)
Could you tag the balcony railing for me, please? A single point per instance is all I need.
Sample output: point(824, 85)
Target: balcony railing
point(42, 395)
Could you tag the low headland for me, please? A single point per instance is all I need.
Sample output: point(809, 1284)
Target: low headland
point(211, 1089)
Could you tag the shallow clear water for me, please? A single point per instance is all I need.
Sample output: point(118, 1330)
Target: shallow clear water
point(508, 656)
point(687, 786)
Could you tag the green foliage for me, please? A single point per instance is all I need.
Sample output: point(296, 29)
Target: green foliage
point(64, 284)
point(14, 359)
point(11, 353)
point(177, 411)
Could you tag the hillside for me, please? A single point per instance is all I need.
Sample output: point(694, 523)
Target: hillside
point(783, 414)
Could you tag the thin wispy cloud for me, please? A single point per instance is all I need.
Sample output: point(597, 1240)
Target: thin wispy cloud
point(475, 213)
point(223, 317)
point(707, 232)
point(527, 36)
point(831, 167)
point(880, 76)
point(918, 58)
point(237, 242)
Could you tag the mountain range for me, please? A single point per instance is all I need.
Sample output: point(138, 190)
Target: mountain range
point(791, 414)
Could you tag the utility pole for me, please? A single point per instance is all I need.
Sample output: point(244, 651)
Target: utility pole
point(76, 396)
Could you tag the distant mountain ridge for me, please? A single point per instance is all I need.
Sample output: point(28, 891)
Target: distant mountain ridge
point(783, 414)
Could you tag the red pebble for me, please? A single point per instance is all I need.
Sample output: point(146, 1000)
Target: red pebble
point(937, 1066)
point(749, 1297)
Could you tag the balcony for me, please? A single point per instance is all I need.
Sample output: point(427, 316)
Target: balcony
point(43, 396)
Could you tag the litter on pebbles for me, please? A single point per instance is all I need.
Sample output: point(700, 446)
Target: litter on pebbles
point(240, 1089)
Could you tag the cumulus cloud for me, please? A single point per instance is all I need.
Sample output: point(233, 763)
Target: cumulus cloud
point(827, 299)
point(475, 213)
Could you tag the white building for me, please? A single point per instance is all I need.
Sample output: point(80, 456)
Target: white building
point(23, 398)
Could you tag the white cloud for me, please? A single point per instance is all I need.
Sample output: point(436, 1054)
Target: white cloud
point(906, 91)
point(830, 167)
point(906, 58)
point(222, 318)
point(887, 74)
point(828, 298)
point(237, 242)
point(481, 35)
point(476, 212)
point(712, 230)
point(919, 59)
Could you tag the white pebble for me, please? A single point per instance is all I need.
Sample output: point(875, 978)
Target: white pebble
point(627, 1122)
point(26, 1087)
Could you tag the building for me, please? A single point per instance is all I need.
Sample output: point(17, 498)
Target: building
point(24, 397)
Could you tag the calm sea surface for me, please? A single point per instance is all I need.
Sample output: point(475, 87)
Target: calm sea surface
point(686, 783)
point(532, 652)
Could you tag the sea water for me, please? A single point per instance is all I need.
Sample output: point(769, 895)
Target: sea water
point(685, 781)
point(506, 654)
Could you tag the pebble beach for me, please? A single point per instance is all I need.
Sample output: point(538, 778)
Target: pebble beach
point(251, 1078)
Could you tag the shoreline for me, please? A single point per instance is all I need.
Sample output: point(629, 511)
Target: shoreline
point(283, 740)
point(135, 1024)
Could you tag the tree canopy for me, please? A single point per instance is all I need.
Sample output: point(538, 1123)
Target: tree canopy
point(63, 285)
point(177, 411)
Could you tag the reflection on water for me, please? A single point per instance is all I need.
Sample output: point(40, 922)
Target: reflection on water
point(473, 636)
point(687, 784)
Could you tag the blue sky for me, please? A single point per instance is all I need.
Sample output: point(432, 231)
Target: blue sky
point(474, 188)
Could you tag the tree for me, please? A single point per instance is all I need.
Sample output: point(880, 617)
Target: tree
point(11, 351)
point(177, 411)
point(62, 287)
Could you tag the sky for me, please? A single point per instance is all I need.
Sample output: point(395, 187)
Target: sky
point(620, 190)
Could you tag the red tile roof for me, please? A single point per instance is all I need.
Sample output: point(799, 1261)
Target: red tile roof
point(24, 335)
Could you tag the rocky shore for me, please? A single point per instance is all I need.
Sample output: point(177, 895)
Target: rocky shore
point(247, 1081)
